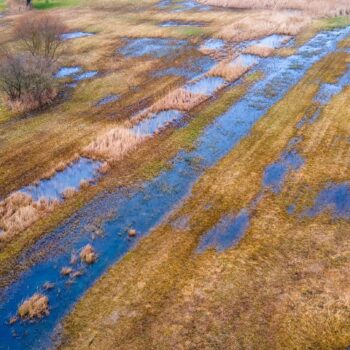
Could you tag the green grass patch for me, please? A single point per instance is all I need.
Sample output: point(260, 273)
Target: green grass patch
point(50, 4)
point(2, 5)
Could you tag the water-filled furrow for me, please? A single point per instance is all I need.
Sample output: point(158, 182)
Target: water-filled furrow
point(104, 222)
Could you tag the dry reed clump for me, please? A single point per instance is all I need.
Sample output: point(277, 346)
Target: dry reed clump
point(179, 99)
point(228, 70)
point(104, 168)
point(318, 8)
point(114, 144)
point(88, 254)
point(18, 211)
point(259, 50)
point(69, 192)
point(65, 271)
point(36, 306)
point(264, 24)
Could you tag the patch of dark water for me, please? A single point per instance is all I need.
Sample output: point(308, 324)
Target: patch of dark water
point(84, 169)
point(157, 122)
point(139, 208)
point(75, 35)
point(205, 86)
point(156, 47)
point(189, 70)
point(107, 99)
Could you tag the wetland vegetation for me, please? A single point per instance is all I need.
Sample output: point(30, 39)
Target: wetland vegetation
point(184, 158)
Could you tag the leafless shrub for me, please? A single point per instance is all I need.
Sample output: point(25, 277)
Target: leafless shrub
point(40, 34)
point(36, 306)
point(27, 81)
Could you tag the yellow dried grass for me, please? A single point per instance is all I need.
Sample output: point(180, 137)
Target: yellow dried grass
point(114, 144)
point(18, 211)
point(36, 306)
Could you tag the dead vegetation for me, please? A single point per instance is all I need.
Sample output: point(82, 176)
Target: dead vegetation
point(113, 145)
point(36, 306)
point(263, 24)
point(228, 70)
point(88, 254)
point(26, 75)
point(317, 8)
point(180, 99)
point(19, 211)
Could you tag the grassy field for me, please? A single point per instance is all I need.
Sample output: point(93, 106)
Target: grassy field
point(285, 284)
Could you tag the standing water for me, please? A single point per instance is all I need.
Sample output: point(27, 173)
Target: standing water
point(141, 208)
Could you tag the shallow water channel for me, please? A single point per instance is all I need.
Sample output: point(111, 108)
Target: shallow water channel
point(141, 207)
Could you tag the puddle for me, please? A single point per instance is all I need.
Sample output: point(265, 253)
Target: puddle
point(274, 41)
point(205, 86)
point(156, 47)
point(191, 69)
point(67, 72)
point(226, 233)
point(213, 44)
point(141, 209)
point(107, 99)
point(75, 35)
point(83, 169)
point(157, 122)
point(174, 23)
point(334, 198)
point(86, 75)
point(276, 173)
point(245, 60)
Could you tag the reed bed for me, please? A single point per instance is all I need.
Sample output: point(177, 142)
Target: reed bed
point(259, 50)
point(113, 145)
point(179, 99)
point(263, 24)
point(36, 306)
point(228, 70)
point(18, 211)
point(318, 8)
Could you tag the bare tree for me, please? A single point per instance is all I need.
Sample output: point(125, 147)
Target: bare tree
point(40, 34)
point(27, 81)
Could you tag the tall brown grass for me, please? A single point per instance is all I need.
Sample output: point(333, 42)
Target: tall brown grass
point(18, 211)
point(36, 306)
point(180, 99)
point(228, 70)
point(257, 25)
point(259, 50)
point(317, 8)
point(113, 145)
